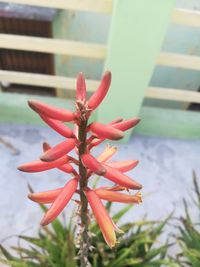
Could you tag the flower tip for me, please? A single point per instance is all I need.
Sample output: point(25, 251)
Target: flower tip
point(139, 186)
point(44, 222)
point(45, 146)
point(139, 196)
point(30, 196)
point(20, 168)
point(32, 104)
point(46, 158)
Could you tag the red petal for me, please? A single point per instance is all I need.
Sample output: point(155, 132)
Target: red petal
point(52, 112)
point(66, 167)
point(123, 166)
point(39, 166)
point(45, 197)
point(58, 126)
point(80, 87)
point(126, 124)
point(91, 163)
point(102, 217)
point(118, 197)
point(59, 150)
point(60, 202)
point(120, 178)
point(105, 131)
point(96, 99)
point(115, 121)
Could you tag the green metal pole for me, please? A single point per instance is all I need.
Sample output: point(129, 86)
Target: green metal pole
point(137, 31)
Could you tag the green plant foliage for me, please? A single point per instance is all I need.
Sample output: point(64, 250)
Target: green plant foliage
point(55, 246)
point(189, 238)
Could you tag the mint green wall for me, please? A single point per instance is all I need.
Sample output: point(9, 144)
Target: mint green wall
point(85, 27)
point(184, 40)
point(93, 27)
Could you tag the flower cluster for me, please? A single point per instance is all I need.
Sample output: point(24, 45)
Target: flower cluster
point(83, 138)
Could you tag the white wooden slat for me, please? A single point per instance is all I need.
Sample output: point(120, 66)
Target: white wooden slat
point(173, 94)
point(179, 61)
point(104, 6)
point(48, 45)
point(186, 17)
point(179, 16)
point(43, 80)
point(70, 83)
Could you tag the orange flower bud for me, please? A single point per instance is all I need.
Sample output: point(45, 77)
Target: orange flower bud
point(45, 197)
point(123, 166)
point(60, 202)
point(50, 111)
point(121, 179)
point(59, 150)
point(103, 131)
point(96, 99)
point(126, 124)
point(102, 217)
point(80, 87)
point(114, 196)
point(40, 166)
point(58, 126)
point(92, 164)
point(107, 153)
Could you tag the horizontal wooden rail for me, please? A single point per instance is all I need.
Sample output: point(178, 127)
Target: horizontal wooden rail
point(186, 17)
point(43, 80)
point(70, 83)
point(48, 45)
point(179, 61)
point(173, 94)
point(73, 48)
point(179, 16)
point(104, 6)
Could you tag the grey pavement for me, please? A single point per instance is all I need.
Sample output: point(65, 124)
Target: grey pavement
point(165, 170)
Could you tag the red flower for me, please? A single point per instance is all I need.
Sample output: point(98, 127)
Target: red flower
point(96, 99)
point(103, 219)
point(60, 202)
point(59, 157)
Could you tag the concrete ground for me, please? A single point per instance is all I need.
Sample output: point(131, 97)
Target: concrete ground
point(165, 170)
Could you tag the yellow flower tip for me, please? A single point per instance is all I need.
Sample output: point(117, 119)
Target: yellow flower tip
point(112, 243)
point(139, 196)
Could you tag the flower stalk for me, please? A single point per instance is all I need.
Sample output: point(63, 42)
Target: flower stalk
point(85, 242)
point(83, 139)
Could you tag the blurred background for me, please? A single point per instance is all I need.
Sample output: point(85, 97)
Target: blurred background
point(153, 52)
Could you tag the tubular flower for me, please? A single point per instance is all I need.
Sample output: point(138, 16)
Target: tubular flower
point(105, 131)
point(92, 164)
point(80, 88)
point(126, 124)
point(124, 166)
point(103, 219)
point(96, 99)
point(108, 152)
point(45, 197)
point(60, 202)
point(59, 150)
point(84, 165)
point(118, 197)
point(58, 126)
point(52, 112)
